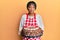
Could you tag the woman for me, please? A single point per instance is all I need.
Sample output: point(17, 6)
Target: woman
point(31, 19)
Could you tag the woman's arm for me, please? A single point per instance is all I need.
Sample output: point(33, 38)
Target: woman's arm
point(40, 23)
point(21, 25)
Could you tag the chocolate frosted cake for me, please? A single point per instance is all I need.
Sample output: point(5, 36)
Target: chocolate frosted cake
point(31, 31)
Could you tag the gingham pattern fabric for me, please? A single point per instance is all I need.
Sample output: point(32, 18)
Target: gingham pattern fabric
point(38, 38)
point(30, 21)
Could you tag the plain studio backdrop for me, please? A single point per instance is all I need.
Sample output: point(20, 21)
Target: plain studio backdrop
point(12, 10)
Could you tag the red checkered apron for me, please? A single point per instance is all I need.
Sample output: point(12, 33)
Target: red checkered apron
point(28, 23)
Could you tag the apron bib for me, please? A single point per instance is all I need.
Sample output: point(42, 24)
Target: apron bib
point(30, 21)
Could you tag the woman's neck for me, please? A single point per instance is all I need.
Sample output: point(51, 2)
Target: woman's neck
point(30, 14)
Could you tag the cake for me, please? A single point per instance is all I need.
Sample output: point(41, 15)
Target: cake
point(31, 31)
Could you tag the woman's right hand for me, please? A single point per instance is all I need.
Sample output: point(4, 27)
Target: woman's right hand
point(19, 32)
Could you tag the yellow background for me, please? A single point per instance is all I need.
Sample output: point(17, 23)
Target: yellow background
point(11, 11)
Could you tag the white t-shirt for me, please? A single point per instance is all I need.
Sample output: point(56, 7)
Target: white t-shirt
point(38, 18)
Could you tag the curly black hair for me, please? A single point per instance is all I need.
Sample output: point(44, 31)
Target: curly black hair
point(31, 2)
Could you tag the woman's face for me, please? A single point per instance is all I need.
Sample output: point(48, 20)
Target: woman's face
point(31, 8)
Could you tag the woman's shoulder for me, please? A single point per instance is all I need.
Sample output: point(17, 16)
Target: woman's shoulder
point(38, 15)
point(24, 16)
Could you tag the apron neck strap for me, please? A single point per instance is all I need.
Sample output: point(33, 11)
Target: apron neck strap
point(34, 15)
point(26, 16)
